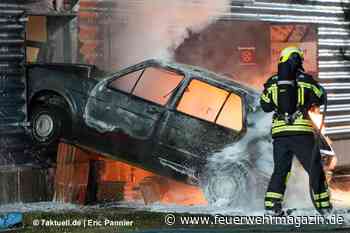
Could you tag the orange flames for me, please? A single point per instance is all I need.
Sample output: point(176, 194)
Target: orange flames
point(212, 104)
point(141, 185)
point(316, 117)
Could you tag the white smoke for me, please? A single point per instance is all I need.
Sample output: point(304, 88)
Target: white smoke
point(244, 167)
point(254, 154)
point(154, 29)
point(297, 192)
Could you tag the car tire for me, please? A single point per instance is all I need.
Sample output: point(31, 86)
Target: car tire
point(227, 186)
point(48, 124)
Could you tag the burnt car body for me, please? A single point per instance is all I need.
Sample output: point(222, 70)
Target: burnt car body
point(164, 117)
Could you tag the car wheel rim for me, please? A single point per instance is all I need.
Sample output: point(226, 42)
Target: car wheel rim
point(224, 187)
point(44, 125)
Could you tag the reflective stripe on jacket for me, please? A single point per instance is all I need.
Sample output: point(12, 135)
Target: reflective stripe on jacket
point(309, 92)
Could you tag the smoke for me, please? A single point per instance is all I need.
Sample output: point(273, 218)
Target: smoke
point(240, 172)
point(154, 29)
point(238, 175)
point(297, 192)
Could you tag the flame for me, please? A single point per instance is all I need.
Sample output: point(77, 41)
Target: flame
point(316, 117)
point(135, 178)
point(212, 104)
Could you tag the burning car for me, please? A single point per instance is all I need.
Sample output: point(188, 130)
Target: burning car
point(165, 117)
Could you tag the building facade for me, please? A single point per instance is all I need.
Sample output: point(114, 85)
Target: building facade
point(242, 43)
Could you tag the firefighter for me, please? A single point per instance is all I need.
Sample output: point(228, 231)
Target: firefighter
point(290, 94)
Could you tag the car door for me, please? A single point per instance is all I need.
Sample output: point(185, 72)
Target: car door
point(149, 98)
point(205, 119)
point(107, 108)
point(127, 108)
point(106, 112)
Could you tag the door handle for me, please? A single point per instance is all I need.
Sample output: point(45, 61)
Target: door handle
point(107, 108)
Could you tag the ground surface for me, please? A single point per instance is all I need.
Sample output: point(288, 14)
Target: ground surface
point(147, 219)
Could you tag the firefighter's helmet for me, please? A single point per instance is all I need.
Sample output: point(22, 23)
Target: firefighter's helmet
point(288, 52)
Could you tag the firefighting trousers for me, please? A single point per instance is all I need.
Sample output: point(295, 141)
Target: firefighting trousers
point(302, 146)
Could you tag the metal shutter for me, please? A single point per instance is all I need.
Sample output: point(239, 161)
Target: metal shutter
point(12, 83)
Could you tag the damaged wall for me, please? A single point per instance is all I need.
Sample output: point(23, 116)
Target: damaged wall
point(87, 177)
point(39, 6)
point(132, 31)
point(56, 19)
point(233, 48)
point(94, 28)
point(218, 48)
point(15, 148)
point(42, 7)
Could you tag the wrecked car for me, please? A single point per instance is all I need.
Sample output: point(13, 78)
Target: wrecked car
point(161, 116)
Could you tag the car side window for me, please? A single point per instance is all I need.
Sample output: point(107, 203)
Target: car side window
point(157, 85)
point(127, 82)
point(212, 104)
point(231, 115)
point(202, 100)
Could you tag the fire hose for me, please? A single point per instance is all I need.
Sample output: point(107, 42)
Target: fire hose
point(316, 150)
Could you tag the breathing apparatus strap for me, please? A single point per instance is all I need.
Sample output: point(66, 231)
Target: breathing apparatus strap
point(290, 118)
point(300, 110)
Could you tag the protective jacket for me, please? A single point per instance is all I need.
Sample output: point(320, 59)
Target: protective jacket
point(309, 93)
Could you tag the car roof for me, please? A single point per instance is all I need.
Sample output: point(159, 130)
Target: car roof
point(202, 74)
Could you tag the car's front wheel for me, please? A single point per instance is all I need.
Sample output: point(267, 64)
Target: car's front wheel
point(48, 124)
point(227, 184)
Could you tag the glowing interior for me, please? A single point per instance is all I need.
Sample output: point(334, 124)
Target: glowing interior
point(170, 191)
point(316, 117)
point(126, 82)
point(157, 85)
point(212, 104)
point(231, 114)
point(202, 100)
